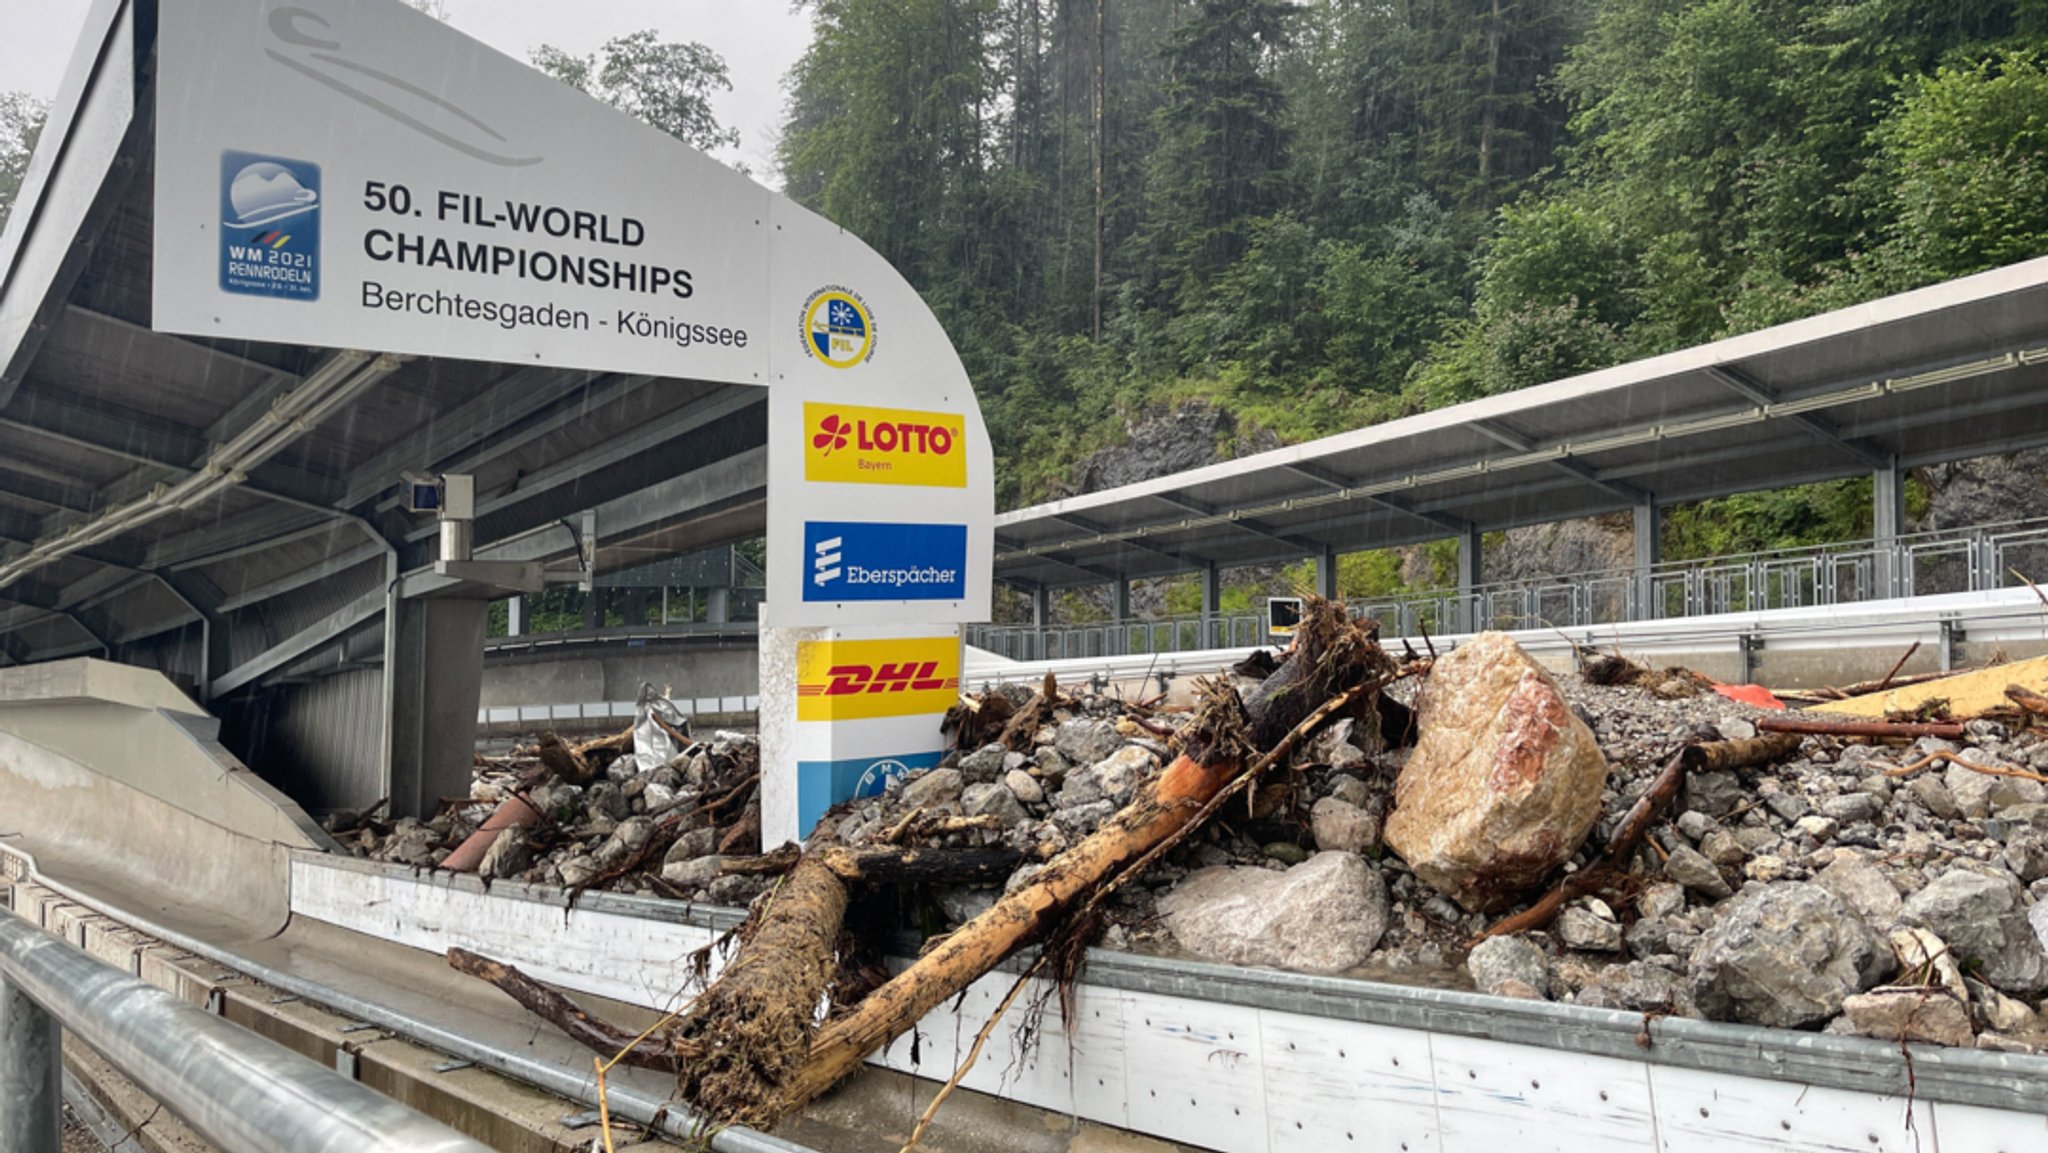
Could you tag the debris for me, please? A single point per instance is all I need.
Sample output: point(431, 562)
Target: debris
point(1983, 917)
point(1785, 955)
point(514, 812)
point(1824, 727)
point(1488, 806)
point(1323, 916)
point(1910, 1013)
point(1969, 694)
point(1510, 966)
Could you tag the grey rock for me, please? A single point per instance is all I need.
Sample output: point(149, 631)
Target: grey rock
point(1078, 821)
point(1024, 786)
point(509, 855)
point(1661, 900)
point(1713, 792)
point(1721, 847)
point(1998, 1012)
point(692, 874)
point(630, 837)
point(1821, 829)
point(1981, 794)
point(1322, 916)
point(1052, 767)
point(659, 797)
point(1695, 824)
point(1852, 807)
point(578, 870)
point(1735, 728)
point(1983, 917)
point(411, 843)
point(1342, 826)
point(1496, 961)
point(1638, 987)
point(1929, 791)
point(983, 764)
point(1351, 791)
point(1334, 746)
point(1909, 1013)
point(963, 903)
point(691, 845)
point(608, 799)
point(992, 800)
point(1787, 805)
point(1785, 955)
point(1687, 867)
point(1085, 740)
point(1589, 926)
point(2026, 854)
point(933, 789)
point(1862, 886)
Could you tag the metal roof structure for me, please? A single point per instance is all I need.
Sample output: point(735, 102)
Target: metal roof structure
point(161, 494)
point(1943, 373)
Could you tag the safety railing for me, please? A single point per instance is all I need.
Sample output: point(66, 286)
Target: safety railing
point(238, 1091)
point(1975, 559)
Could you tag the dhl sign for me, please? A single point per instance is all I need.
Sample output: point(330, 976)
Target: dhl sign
point(853, 444)
point(855, 680)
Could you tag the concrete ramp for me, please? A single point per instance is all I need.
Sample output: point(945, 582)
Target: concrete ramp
point(114, 781)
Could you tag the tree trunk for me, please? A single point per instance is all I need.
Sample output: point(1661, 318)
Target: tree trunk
point(1100, 47)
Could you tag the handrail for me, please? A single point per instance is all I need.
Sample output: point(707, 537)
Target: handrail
point(241, 1092)
point(1974, 558)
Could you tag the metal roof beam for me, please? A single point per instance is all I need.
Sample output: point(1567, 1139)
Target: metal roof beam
point(1086, 525)
point(1820, 427)
point(1337, 483)
point(334, 624)
point(1520, 443)
point(210, 351)
point(56, 495)
point(1256, 528)
point(481, 428)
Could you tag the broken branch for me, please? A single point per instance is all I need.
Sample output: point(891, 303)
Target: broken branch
point(1815, 726)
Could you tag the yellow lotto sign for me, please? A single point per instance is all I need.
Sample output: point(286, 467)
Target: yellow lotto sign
point(852, 444)
point(855, 680)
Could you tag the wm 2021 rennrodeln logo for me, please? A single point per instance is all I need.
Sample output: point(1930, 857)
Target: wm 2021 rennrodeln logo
point(838, 327)
point(269, 226)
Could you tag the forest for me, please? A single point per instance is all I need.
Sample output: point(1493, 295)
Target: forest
point(1313, 216)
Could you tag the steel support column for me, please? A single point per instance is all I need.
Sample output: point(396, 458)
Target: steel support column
point(31, 1075)
point(1120, 600)
point(1649, 526)
point(1471, 574)
point(717, 606)
point(434, 664)
point(1887, 525)
point(1041, 606)
point(1326, 574)
point(515, 614)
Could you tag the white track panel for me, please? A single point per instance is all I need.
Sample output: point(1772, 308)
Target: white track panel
point(1220, 1076)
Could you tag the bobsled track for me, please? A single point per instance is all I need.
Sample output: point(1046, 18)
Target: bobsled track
point(245, 913)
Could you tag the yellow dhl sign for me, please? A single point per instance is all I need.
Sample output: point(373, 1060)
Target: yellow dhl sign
point(855, 680)
point(852, 444)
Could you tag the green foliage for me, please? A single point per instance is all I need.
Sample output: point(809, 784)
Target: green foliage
point(666, 84)
point(1323, 214)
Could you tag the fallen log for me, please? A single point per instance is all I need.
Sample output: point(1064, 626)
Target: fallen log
point(1821, 727)
point(756, 1051)
point(652, 1052)
point(1629, 831)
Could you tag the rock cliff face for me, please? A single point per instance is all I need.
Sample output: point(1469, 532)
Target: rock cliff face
point(1154, 446)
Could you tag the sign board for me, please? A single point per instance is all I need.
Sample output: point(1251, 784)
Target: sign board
point(1283, 616)
point(354, 174)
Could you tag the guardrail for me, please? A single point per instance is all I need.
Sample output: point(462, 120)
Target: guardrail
point(1976, 559)
point(241, 1092)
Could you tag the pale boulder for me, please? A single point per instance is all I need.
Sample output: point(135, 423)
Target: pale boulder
point(1503, 785)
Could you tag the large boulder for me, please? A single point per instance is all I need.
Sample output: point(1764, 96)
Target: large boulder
point(1983, 917)
point(1321, 916)
point(1504, 783)
point(1785, 955)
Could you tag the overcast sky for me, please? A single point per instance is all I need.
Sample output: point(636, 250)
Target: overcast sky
point(760, 40)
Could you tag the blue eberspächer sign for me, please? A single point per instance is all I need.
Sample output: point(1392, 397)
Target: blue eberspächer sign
point(269, 226)
point(862, 561)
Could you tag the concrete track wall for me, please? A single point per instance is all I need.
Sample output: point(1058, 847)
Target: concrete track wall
point(615, 674)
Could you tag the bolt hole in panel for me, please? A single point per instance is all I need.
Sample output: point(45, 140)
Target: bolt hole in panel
point(1699, 1112)
point(1485, 1099)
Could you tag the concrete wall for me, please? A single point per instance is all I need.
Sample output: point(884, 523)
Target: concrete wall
point(615, 674)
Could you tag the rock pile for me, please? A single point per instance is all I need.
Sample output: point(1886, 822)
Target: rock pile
point(1829, 890)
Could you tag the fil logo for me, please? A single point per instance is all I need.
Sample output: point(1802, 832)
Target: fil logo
point(825, 568)
point(269, 226)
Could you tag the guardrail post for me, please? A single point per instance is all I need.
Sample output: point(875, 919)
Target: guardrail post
point(31, 1075)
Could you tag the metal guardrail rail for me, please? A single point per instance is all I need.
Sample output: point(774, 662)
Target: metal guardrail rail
point(1976, 559)
point(241, 1092)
